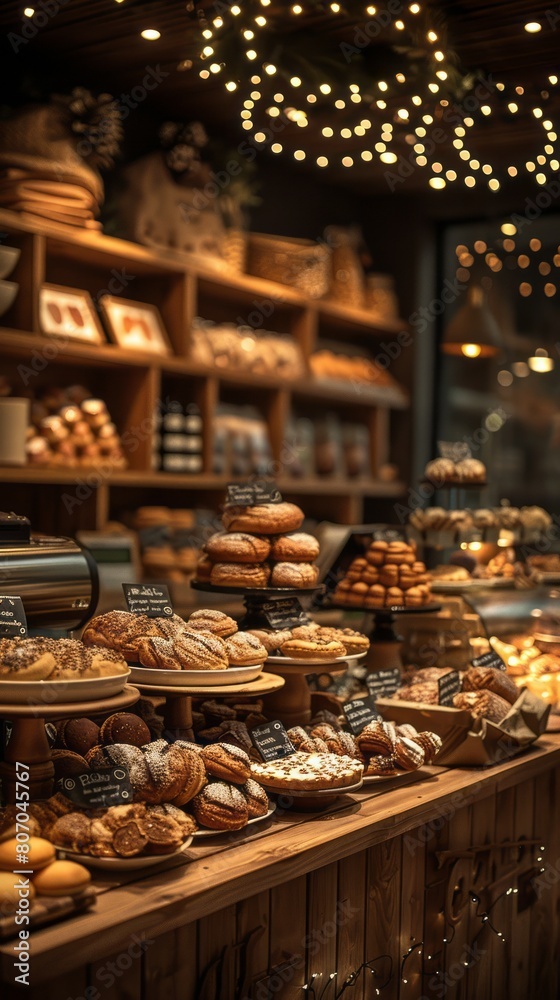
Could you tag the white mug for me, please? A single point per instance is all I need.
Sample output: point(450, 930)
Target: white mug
point(14, 421)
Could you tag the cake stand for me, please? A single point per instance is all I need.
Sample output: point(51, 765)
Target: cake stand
point(28, 751)
point(385, 649)
point(177, 711)
point(255, 597)
point(292, 703)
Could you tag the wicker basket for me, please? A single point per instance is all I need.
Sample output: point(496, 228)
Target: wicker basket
point(302, 264)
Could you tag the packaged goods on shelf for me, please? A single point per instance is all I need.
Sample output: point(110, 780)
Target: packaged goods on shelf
point(227, 345)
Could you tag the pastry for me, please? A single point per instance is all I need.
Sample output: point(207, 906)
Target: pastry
point(408, 755)
point(375, 739)
point(255, 797)
point(191, 651)
point(72, 831)
point(164, 835)
point(294, 574)
point(248, 575)
point(313, 649)
point(440, 471)
point(272, 640)
point(237, 734)
point(375, 597)
point(422, 692)
point(68, 764)
point(306, 742)
point(8, 824)
point(237, 547)
point(226, 762)
point(124, 727)
point(308, 771)
point(220, 806)
point(243, 648)
point(379, 766)
point(195, 779)
point(79, 735)
point(430, 743)
point(394, 597)
point(130, 839)
point(264, 519)
point(208, 620)
point(296, 547)
point(482, 704)
point(470, 470)
point(122, 631)
point(25, 660)
point(204, 568)
point(215, 712)
point(61, 878)
point(479, 678)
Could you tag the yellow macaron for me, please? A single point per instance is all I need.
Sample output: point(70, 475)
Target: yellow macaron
point(61, 878)
point(41, 852)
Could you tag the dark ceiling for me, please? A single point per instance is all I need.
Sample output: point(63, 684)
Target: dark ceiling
point(97, 43)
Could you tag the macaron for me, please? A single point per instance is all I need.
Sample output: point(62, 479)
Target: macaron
point(61, 878)
point(41, 852)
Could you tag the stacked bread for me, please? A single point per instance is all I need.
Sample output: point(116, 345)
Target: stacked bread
point(388, 575)
point(261, 546)
point(209, 640)
point(72, 429)
point(445, 471)
point(45, 659)
point(382, 747)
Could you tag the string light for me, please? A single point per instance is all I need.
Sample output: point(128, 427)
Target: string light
point(151, 34)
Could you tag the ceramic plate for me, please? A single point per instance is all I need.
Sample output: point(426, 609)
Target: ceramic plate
point(310, 793)
point(195, 678)
point(64, 691)
point(309, 662)
point(201, 834)
point(125, 864)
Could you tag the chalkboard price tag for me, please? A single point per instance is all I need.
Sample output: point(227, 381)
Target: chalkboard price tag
point(13, 621)
point(108, 786)
point(151, 599)
point(252, 494)
point(383, 683)
point(448, 686)
point(285, 613)
point(360, 712)
point(387, 535)
point(272, 741)
point(490, 659)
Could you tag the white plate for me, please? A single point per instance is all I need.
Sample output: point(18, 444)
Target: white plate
point(125, 864)
point(457, 586)
point(200, 834)
point(195, 678)
point(64, 691)
point(308, 661)
point(310, 793)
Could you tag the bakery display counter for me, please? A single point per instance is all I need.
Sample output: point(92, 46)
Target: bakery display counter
point(445, 881)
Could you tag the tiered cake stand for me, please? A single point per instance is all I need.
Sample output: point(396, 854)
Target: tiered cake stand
point(28, 747)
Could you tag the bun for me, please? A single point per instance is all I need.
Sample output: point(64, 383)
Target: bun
point(61, 878)
point(237, 547)
point(264, 519)
point(9, 893)
point(40, 853)
point(208, 620)
point(122, 631)
point(295, 547)
point(294, 574)
point(240, 575)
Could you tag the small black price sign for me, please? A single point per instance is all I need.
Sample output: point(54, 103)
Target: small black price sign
point(285, 613)
point(13, 621)
point(272, 741)
point(448, 686)
point(490, 659)
point(252, 494)
point(108, 786)
point(151, 599)
point(383, 683)
point(360, 712)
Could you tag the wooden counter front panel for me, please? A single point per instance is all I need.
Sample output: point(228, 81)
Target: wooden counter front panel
point(372, 907)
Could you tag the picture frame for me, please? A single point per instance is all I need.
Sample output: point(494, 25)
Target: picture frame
point(69, 313)
point(135, 326)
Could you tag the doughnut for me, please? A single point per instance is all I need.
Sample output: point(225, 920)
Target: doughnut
point(237, 547)
point(264, 519)
point(296, 547)
point(220, 806)
point(294, 574)
point(247, 575)
point(226, 762)
point(124, 727)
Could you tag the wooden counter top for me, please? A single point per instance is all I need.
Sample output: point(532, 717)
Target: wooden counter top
point(217, 873)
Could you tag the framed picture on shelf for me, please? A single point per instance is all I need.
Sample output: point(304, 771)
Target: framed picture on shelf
point(136, 326)
point(69, 312)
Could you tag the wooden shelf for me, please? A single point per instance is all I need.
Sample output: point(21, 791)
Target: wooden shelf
point(166, 480)
point(134, 383)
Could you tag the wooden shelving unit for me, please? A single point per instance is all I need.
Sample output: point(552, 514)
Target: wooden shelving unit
point(134, 382)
